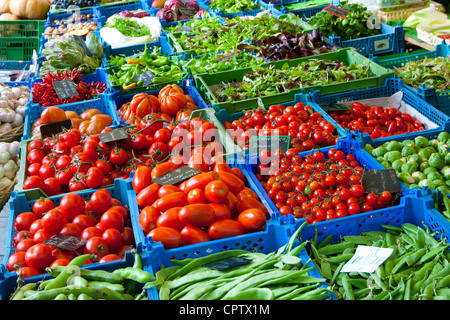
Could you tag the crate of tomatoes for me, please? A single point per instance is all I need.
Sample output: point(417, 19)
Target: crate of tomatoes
point(307, 126)
point(320, 185)
point(382, 112)
point(54, 230)
point(212, 207)
point(90, 116)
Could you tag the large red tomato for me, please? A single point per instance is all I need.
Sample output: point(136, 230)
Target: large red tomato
point(39, 256)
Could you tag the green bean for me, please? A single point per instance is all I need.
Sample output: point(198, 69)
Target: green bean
point(93, 275)
point(428, 292)
point(45, 294)
point(363, 240)
point(19, 294)
point(219, 292)
point(328, 239)
point(340, 258)
point(316, 294)
point(61, 296)
point(412, 259)
point(401, 262)
point(254, 294)
point(103, 284)
point(375, 234)
point(334, 248)
point(74, 265)
point(131, 273)
point(359, 283)
point(79, 282)
point(407, 294)
point(72, 296)
point(432, 253)
point(348, 288)
point(325, 268)
point(336, 273)
point(99, 293)
point(203, 260)
point(83, 296)
point(30, 292)
point(198, 292)
point(444, 282)
point(286, 278)
point(381, 295)
point(280, 291)
point(203, 274)
point(296, 292)
point(392, 228)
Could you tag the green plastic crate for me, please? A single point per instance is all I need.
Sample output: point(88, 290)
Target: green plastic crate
point(22, 28)
point(18, 48)
point(345, 55)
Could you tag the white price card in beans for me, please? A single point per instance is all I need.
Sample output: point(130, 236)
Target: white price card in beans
point(367, 259)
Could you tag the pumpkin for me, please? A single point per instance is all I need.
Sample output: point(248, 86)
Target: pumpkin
point(30, 9)
point(7, 31)
point(4, 6)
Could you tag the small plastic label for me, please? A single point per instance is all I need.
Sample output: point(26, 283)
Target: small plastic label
point(65, 89)
point(147, 76)
point(336, 11)
point(334, 107)
point(377, 181)
point(66, 242)
point(270, 143)
point(176, 176)
point(48, 130)
point(227, 263)
point(381, 45)
point(115, 135)
point(367, 259)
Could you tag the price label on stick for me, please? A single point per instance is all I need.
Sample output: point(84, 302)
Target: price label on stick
point(115, 135)
point(186, 11)
point(334, 107)
point(65, 89)
point(48, 130)
point(270, 143)
point(176, 176)
point(147, 76)
point(377, 181)
point(66, 242)
point(336, 11)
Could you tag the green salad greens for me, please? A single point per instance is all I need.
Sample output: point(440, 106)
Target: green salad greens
point(231, 6)
point(264, 81)
point(129, 27)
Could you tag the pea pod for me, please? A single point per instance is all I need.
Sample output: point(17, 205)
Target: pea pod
point(74, 265)
point(103, 284)
point(19, 294)
point(131, 273)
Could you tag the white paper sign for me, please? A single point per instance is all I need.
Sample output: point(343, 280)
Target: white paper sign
point(367, 259)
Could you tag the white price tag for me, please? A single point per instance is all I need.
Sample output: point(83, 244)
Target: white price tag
point(367, 259)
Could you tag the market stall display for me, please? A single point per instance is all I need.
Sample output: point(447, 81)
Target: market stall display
point(224, 150)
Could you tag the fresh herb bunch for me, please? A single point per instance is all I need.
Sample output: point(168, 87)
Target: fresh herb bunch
point(230, 6)
point(216, 63)
point(216, 37)
point(129, 27)
point(433, 73)
point(264, 81)
point(354, 26)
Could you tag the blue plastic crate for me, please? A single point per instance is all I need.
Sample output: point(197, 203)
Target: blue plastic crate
point(348, 145)
point(308, 12)
point(51, 17)
point(18, 203)
point(364, 139)
point(438, 99)
point(8, 282)
point(390, 39)
point(392, 85)
point(268, 241)
point(162, 43)
point(99, 75)
point(108, 11)
point(102, 104)
point(117, 99)
point(142, 238)
point(412, 209)
point(19, 66)
point(164, 23)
